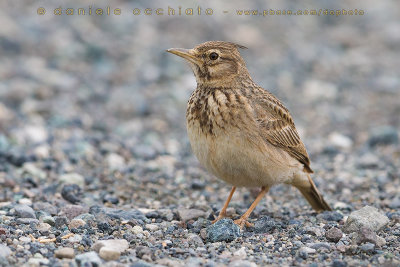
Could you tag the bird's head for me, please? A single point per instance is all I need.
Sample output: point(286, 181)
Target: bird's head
point(213, 62)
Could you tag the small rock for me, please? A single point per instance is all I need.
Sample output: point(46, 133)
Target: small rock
point(190, 214)
point(61, 253)
point(384, 135)
point(27, 221)
point(319, 245)
point(49, 220)
point(72, 178)
point(334, 234)
point(368, 247)
point(43, 228)
point(24, 211)
point(30, 168)
point(46, 207)
point(109, 253)
point(240, 253)
point(60, 221)
point(4, 251)
point(88, 259)
point(152, 227)
point(137, 229)
point(365, 235)
point(115, 161)
point(368, 160)
point(71, 211)
point(37, 262)
point(368, 217)
point(223, 230)
point(71, 193)
point(338, 263)
point(118, 214)
point(195, 240)
point(340, 140)
point(119, 245)
point(264, 225)
point(76, 223)
point(304, 251)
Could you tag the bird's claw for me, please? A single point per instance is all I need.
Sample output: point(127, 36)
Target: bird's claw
point(241, 222)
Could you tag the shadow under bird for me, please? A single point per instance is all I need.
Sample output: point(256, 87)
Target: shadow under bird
point(239, 131)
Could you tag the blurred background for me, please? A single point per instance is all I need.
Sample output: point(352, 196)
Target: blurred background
point(98, 95)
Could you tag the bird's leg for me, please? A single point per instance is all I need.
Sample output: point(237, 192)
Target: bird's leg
point(222, 213)
point(243, 220)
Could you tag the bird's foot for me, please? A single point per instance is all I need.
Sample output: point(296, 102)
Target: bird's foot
point(241, 222)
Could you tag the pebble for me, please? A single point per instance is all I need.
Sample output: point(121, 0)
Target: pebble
point(115, 161)
point(24, 211)
point(152, 227)
point(384, 135)
point(109, 253)
point(223, 230)
point(339, 140)
point(264, 225)
point(334, 234)
point(119, 245)
point(43, 228)
point(88, 259)
point(4, 251)
point(368, 247)
point(368, 217)
point(71, 193)
point(190, 214)
point(64, 252)
point(71, 211)
point(365, 235)
point(76, 223)
point(137, 229)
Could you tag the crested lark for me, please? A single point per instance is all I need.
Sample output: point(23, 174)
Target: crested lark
point(240, 132)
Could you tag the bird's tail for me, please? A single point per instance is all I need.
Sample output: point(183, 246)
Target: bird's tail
point(311, 193)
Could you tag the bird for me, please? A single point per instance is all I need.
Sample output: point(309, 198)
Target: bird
point(240, 132)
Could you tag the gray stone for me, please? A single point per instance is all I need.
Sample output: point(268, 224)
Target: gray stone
point(46, 207)
point(4, 251)
point(49, 220)
point(27, 221)
point(190, 214)
point(223, 230)
point(384, 135)
point(24, 211)
point(195, 240)
point(76, 223)
point(109, 253)
point(334, 234)
point(264, 225)
point(365, 235)
point(319, 245)
point(368, 217)
point(44, 228)
point(71, 211)
point(100, 212)
point(61, 253)
point(88, 259)
point(368, 247)
point(119, 245)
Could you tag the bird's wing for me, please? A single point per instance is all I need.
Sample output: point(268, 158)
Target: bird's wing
point(277, 127)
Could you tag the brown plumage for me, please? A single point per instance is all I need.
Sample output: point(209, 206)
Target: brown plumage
point(240, 132)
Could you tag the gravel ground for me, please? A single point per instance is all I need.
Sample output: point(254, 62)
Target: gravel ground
point(95, 164)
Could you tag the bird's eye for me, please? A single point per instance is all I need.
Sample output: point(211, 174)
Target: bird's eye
point(213, 56)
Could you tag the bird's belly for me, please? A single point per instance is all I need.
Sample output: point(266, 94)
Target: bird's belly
point(237, 159)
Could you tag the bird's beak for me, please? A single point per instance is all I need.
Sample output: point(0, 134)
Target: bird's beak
point(185, 53)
